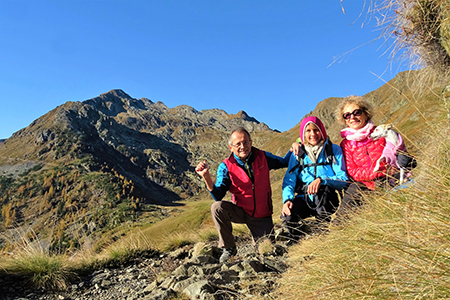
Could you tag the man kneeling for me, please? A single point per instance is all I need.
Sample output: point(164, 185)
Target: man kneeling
point(246, 175)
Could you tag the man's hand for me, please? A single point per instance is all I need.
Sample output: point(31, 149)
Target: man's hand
point(295, 148)
point(313, 187)
point(202, 168)
point(287, 206)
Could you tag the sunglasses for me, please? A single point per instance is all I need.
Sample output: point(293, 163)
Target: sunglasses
point(355, 113)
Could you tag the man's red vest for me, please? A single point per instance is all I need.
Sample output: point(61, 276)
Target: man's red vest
point(255, 198)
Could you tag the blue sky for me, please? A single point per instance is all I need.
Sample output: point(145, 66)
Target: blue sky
point(272, 59)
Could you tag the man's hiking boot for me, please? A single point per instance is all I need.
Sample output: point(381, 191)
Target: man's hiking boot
point(227, 253)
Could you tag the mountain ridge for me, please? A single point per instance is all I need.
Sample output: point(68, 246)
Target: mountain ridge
point(110, 159)
point(89, 167)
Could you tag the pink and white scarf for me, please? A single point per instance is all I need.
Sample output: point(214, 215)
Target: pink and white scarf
point(358, 135)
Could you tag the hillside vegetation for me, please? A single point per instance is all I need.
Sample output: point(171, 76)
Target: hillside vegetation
point(93, 183)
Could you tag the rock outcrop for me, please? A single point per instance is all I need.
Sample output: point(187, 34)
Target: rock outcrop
point(191, 271)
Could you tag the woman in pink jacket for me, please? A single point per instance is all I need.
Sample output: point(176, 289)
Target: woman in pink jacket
point(360, 152)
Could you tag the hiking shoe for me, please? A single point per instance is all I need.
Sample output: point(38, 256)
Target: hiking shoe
point(291, 242)
point(282, 234)
point(227, 253)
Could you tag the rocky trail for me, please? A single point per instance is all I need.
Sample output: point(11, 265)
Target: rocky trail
point(190, 272)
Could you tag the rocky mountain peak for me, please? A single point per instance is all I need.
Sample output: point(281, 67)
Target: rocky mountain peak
point(115, 102)
point(243, 115)
point(146, 100)
point(116, 93)
point(112, 151)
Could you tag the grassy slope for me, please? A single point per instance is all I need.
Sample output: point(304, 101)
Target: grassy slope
point(348, 251)
point(396, 247)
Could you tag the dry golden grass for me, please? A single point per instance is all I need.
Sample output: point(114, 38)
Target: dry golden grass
point(265, 246)
point(420, 31)
point(192, 222)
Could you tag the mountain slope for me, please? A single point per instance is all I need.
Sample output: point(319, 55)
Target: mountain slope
point(94, 165)
point(397, 102)
point(114, 162)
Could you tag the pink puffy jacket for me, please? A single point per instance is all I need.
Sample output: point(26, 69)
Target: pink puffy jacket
point(361, 158)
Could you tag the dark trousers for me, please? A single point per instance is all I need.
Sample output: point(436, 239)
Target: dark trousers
point(355, 192)
point(224, 213)
point(353, 195)
point(302, 209)
point(353, 198)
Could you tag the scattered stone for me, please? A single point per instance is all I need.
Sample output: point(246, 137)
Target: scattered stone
point(199, 289)
point(178, 274)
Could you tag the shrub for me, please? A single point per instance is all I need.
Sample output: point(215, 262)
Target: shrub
point(43, 270)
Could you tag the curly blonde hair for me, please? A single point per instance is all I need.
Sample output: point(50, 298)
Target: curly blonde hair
point(357, 100)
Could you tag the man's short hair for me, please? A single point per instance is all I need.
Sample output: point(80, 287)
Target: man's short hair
point(238, 130)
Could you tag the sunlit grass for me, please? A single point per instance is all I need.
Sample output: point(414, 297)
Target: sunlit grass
point(43, 270)
point(32, 261)
point(395, 247)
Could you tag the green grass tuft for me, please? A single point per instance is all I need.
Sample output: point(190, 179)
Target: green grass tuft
point(44, 271)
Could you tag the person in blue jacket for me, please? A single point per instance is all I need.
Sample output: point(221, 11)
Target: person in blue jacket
point(312, 179)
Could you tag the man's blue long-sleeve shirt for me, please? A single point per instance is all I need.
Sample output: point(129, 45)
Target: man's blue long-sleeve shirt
point(223, 182)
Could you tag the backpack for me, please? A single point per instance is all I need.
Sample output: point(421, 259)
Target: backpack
point(300, 186)
point(331, 159)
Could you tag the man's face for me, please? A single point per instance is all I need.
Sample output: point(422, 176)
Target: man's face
point(241, 144)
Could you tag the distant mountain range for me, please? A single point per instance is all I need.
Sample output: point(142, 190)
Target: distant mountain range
point(111, 159)
point(89, 167)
